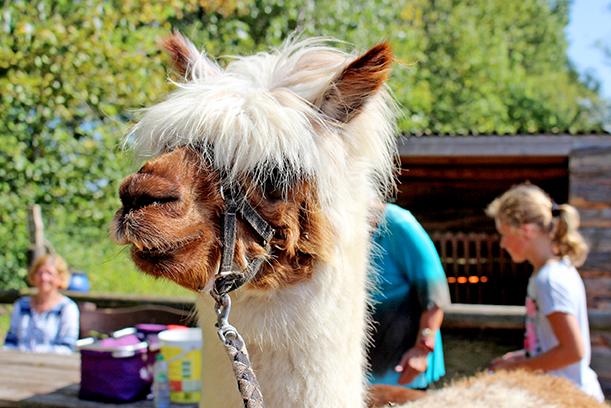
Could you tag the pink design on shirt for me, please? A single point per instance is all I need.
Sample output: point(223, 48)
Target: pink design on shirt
point(530, 337)
point(531, 308)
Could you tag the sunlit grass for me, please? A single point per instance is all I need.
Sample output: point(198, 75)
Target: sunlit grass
point(114, 273)
point(110, 269)
point(5, 320)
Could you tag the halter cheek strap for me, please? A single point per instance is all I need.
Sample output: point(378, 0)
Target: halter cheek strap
point(228, 279)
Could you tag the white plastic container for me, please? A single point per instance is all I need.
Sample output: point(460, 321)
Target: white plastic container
point(181, 349)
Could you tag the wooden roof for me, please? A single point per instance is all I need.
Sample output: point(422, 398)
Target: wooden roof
point(494, 145)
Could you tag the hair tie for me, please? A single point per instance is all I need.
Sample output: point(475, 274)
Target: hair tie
point(555, 210)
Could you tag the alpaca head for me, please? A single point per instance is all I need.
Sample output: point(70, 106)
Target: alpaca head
point(283, 128)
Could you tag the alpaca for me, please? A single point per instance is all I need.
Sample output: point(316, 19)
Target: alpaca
point(508, 390)
point(305, 135)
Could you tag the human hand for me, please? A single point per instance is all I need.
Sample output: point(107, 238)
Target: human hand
point(413, 362)
point(507, 361)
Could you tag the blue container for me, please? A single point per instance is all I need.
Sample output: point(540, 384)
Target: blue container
point(79, 282)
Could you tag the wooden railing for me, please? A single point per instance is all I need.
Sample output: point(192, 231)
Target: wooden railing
point(109, 300)
point(479, 271)
point(457, 316)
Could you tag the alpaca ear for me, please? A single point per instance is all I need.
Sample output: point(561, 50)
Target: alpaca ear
point(351, 89)
point(187, 60)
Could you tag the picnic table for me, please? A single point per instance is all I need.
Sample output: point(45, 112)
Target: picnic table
point(45, 380)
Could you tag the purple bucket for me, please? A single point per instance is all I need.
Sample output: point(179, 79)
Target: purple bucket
point(114, 369)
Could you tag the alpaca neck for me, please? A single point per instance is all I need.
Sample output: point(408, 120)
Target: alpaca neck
point(306, 342)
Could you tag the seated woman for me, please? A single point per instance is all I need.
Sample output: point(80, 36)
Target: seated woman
point(47, 322)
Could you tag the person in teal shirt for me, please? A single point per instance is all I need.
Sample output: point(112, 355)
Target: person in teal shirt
point(408, 300)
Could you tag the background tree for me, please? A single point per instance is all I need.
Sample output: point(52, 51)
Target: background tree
point(69, 76)
point(72, 74)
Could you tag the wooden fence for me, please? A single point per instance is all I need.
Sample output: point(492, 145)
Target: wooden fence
point(479, 271)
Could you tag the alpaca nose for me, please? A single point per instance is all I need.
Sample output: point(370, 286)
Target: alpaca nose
point(143, 190)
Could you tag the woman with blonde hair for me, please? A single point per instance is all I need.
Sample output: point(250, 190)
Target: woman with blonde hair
point(46, 321)
point(557, 340)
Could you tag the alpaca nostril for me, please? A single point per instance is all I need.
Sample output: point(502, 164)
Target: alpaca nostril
point(139, 192)
point(144, 200)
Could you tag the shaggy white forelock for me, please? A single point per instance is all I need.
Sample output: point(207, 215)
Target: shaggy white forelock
point(258, 115)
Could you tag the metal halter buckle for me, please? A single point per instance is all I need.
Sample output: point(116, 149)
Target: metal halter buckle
point(223, 308)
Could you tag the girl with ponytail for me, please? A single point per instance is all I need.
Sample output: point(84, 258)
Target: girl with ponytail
point(557, 340)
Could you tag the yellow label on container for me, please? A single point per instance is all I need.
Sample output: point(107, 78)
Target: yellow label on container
point(184, 374)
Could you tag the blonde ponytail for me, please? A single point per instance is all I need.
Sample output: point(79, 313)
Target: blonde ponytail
point(565, 236)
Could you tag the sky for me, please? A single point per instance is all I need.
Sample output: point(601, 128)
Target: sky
point(590, 22)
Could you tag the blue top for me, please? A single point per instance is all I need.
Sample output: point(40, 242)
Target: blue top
point(53, 331)
point(411, 279)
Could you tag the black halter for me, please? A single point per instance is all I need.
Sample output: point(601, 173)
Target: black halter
point(228, 279)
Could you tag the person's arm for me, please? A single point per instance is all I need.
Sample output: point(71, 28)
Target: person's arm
point(415, 360)
point(11, 341)
point(423, 269)
point(569, 349)
point(430, 322)
point(509, 356)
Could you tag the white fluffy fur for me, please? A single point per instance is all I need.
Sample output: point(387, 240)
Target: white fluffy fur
point(306, 341)
point(259, 114)
point(483, 395)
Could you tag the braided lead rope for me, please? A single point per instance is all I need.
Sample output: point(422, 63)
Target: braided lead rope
point(245, 376)
point(236, 348)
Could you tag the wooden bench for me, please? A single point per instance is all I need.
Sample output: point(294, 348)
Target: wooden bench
point(106, 320)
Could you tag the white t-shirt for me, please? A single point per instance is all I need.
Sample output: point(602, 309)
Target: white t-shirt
point(557, 287)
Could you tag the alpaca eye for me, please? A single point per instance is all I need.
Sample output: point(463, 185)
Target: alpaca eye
point(271, 190)
point(272, 185)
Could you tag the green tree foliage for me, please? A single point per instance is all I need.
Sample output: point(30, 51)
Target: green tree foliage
point(72, 74)
point(464, 67)
point(492, 66)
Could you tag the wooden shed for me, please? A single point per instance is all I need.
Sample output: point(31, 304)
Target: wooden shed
point(447, 181)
